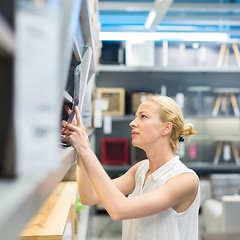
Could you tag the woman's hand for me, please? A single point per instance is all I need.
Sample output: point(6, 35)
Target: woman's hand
point(75, 134)
point(68, 110)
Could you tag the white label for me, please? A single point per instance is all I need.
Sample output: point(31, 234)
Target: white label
point(97, 118)
point(227, 152)
point(180, 100)
point(181, 146)
point(107, 127)
point(38, 94)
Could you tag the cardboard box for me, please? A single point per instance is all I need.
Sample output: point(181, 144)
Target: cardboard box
point(116, 97)
point(137, 98)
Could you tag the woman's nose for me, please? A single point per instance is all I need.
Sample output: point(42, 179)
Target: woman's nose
point(133, 123)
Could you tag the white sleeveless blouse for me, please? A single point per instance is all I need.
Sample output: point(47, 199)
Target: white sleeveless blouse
point(166, 225)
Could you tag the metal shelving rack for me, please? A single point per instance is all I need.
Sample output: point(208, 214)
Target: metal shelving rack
point(135, 77)
point(21, 197)
point(124, 68)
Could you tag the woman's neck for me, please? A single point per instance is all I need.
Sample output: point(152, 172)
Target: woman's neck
point(158, 156)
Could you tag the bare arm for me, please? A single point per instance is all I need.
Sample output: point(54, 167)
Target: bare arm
point(87, 193)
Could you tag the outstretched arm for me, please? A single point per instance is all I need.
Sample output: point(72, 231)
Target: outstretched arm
point(87, 193)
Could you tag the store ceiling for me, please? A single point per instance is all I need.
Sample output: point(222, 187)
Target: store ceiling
point(171, 16)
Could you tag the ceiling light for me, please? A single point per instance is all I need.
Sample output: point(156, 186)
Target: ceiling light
point(151, 16)
point(159, 36)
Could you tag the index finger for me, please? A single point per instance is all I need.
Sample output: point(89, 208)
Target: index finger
point(78, 117)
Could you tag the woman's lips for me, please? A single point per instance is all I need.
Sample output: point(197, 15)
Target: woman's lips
point(134, 133)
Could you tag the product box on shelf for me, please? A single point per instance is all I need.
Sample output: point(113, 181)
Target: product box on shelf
point(137, 98)
point(116, 98)
point(115, 151)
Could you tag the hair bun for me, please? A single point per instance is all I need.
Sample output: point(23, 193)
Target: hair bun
point(188, 130)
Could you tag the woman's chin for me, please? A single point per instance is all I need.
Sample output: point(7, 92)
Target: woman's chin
point(135, 144)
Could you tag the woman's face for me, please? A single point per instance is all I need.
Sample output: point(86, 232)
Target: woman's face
point(146, 127)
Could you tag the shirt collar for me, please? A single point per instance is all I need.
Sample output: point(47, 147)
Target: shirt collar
point(164, 168)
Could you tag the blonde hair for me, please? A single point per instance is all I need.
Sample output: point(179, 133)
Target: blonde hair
point(169, 111)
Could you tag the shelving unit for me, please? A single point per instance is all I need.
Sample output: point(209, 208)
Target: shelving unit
point(130, 117)
point(22, 196)
point(123, 68)
point(177, 77)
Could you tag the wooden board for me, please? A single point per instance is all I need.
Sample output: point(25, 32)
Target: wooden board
point(50, 221)
point(67, 189)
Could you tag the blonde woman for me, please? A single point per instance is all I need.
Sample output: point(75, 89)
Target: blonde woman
point(164, 194)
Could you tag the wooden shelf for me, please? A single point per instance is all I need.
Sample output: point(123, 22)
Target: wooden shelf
point(22, 197)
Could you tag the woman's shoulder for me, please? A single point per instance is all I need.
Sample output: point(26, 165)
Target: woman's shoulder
point(180, 172)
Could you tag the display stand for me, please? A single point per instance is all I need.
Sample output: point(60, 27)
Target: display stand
point(227, 93)
point(223, 55)
point(220, 149)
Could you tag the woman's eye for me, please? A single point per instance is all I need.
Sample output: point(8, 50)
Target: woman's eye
point(143, 116)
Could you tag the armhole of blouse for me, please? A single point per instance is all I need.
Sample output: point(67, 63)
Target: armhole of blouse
point(197, 195)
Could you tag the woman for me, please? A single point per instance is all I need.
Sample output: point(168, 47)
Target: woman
point(165, 194)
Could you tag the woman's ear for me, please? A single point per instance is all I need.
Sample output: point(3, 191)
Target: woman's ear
point(167, 129)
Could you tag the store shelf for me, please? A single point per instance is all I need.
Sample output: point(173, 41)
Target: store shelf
point(130, 117)
point(199, 169)
point(22, 197)
point(123, 118)
point(124, 68)
point(211, 169)
point(116, 168)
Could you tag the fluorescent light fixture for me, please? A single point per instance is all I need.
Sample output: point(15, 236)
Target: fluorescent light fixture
point(159, 36)
point(151, 16)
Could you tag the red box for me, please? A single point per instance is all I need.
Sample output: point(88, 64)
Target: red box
point(115, 151)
